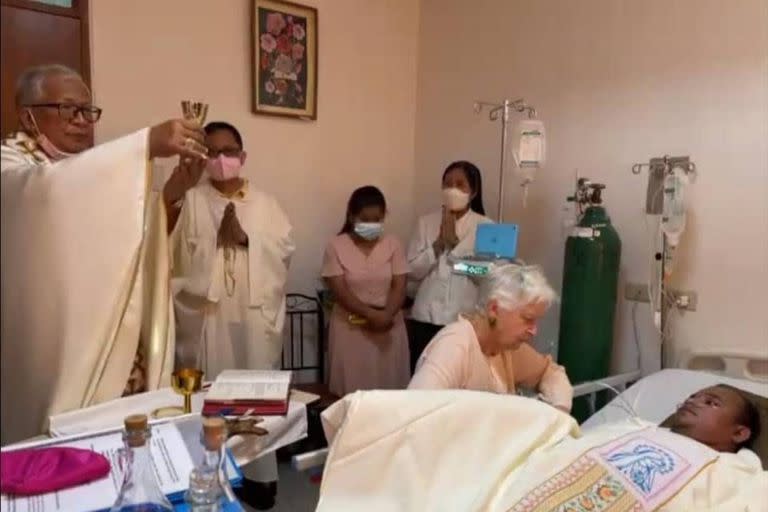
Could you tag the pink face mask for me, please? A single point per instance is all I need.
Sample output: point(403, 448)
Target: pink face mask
point(48, 147)
point(223, 168)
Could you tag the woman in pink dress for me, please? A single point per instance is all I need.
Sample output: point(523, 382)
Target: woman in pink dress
point(366, 271)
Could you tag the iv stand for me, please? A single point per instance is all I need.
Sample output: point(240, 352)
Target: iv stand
point(658, 168)
point(503, 110)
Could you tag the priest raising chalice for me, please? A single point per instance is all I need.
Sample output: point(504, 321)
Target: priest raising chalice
point(86, 308)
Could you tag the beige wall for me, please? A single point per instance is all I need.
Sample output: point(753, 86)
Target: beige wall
point(148, 55)
point(617, 82)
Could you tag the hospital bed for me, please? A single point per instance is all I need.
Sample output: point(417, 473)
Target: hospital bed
point(656, 396)
point(653, 397)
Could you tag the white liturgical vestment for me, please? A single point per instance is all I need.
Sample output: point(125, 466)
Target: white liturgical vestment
point(85, 279)
point(230, 303)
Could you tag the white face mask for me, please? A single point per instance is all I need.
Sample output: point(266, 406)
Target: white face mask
point(455, 199)
point(368, 230)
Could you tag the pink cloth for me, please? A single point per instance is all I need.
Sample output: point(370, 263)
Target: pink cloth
point(43, 470)
point(358, 358)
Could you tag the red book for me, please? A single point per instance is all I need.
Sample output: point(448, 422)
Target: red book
point(240, 408)
point(235, 392)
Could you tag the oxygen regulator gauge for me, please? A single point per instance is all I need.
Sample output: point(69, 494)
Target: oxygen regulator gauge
point(587, 193)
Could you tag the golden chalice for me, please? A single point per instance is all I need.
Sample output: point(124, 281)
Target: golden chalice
point(186, 382)
point(195, 111)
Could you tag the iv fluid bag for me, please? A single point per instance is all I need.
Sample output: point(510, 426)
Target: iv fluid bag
point(673, 215)
point(529, 152)
point(530, 147)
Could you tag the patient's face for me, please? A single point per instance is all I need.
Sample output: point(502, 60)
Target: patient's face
point(518, 326)
point(712, 417)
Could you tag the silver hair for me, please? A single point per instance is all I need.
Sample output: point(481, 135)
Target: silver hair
point(29, 86)
point(514, 286)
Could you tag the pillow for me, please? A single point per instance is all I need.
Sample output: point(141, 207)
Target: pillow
point(759, 445)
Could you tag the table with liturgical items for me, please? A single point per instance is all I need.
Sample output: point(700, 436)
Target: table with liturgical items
point(280, 430)
point(175, 449)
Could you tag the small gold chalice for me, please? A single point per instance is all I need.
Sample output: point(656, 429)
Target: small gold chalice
point(195, 111)
point(186, 382)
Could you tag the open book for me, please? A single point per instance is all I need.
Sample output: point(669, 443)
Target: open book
point(236, 392)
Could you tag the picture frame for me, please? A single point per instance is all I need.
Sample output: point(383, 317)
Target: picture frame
point(284, 59)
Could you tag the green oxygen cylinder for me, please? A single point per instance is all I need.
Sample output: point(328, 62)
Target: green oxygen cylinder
point(588, 302)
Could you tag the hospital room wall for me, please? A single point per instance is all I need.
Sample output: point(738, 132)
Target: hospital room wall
point(617, 82)
point(148, 55)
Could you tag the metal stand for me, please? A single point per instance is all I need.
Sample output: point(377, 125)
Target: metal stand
point(503, 110)
point(658, 168)
point(663, 306)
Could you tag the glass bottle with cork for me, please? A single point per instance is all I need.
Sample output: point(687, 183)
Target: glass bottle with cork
point(140, 491)
point(209, 489)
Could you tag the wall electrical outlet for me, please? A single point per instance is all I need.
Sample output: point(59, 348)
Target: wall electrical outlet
point(685, 300)
point(636, 292)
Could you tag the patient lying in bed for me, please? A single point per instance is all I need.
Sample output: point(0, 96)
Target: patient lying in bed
point(700, 463)
point(719, 417)
point(467, 451)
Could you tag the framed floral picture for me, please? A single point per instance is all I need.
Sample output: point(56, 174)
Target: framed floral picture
point(284, 59)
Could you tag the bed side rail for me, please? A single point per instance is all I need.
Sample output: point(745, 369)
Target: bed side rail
point(309, 460)
point(590, 389)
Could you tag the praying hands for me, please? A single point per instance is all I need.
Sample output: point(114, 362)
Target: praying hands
point(231, 234)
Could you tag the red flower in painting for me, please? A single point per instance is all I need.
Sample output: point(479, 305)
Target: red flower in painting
point(298, 32)
point(275, 23)
point(298, 52)
point(283, 64)
point(281, 87)
point(284, 44)
point(264, 60)
point(268, 43)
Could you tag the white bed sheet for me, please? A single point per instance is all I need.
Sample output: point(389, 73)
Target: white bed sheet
point(656, 396)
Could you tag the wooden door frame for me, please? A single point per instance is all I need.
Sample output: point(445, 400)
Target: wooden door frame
point(79, 10)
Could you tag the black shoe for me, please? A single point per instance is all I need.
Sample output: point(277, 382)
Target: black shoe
point(258, 495)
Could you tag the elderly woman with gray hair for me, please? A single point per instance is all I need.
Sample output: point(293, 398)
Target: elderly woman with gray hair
point(489, 349)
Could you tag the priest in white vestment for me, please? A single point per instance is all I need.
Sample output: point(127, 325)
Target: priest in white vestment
point(232, 247)
point(86, 310)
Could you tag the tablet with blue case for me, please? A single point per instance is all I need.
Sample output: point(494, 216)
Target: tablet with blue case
point(498, 241)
